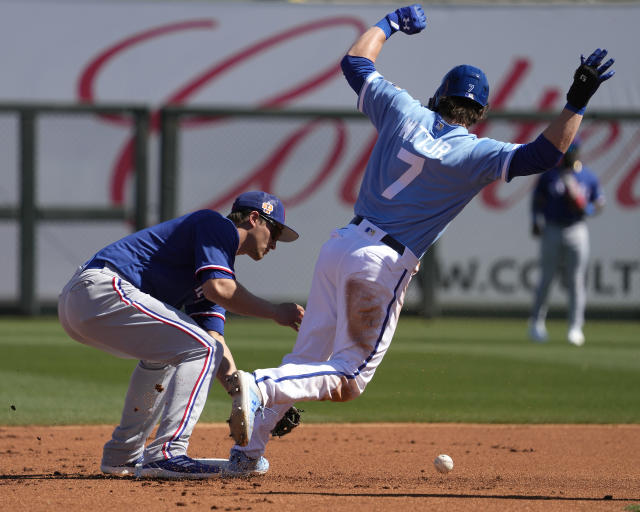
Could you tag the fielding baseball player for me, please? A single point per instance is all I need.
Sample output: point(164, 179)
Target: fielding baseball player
point(160, 296)
point(425, 167)
point(562, 200)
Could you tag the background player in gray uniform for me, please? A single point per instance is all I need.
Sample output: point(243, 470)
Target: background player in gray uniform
point(561, 201)
point(159, 295)
point(425, 167)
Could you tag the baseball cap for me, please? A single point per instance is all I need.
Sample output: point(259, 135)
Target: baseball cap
point(465, 81)
point(269, 206)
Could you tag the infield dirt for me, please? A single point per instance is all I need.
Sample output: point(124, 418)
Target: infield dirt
point(340, 467)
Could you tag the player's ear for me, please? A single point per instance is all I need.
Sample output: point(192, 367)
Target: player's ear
point(253, 218)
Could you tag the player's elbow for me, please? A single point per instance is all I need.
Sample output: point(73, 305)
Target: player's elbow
point(219, 291)
point(345, 391)
point(533, 158)
point(355, 70)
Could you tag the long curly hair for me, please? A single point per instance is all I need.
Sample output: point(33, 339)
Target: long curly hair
point(461, 110)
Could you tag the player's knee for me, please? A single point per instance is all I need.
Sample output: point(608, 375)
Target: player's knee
point(346, 390)
point(365, 310)
point(152, 365)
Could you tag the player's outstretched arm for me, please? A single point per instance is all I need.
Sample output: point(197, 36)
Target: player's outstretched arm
point(548, 148)
point(234, 297)
point(410, 20)
point(357, 64)
point(586, 80)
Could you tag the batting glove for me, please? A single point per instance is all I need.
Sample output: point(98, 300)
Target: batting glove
point(587, 79)
point(410, 20)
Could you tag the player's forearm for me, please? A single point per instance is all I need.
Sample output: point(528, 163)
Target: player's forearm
point(369, 44)
point(227, 364)
point(563, 129)
point(234, 297)
point(544, 152)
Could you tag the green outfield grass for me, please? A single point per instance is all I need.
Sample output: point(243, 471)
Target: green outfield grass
point(444, 370)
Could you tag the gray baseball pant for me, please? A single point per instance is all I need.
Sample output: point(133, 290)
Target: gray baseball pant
point(99, 308)
point(566, 246)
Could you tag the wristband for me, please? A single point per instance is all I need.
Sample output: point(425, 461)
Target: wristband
point(580, 111)
point(385, 25)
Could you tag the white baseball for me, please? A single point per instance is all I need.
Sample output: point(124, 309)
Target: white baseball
point(443, 463)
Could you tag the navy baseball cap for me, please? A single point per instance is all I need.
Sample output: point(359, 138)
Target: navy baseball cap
point(269, 206)
point(465, 81)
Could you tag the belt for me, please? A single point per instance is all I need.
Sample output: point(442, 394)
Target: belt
point(386, 239)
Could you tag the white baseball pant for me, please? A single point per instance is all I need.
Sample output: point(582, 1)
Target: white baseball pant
point(355, 300)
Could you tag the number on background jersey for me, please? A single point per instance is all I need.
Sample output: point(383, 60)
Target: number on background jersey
point(416, 163)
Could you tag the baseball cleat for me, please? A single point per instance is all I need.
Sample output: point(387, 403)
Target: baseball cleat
point(575, 337)
point(179, 467)
point(128, 469)
point(537, 331)
point(247, 401)
point(241, 465)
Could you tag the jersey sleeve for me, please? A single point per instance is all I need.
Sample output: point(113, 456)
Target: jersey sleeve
point(206, 314)
point(491, 159)
point(216, 244)
point(384, 103)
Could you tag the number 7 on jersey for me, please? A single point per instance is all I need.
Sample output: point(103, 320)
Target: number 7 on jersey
point(416, 163)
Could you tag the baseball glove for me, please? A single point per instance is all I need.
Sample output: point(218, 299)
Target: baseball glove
point(287, 423)
point(573, 192)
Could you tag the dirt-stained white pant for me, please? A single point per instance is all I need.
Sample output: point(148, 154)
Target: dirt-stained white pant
point(177, 360)
point(356, 295)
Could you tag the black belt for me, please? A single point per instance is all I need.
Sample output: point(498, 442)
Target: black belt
point(386, 239)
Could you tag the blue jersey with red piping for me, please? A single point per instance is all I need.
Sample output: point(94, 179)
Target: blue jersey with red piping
point(171, 260)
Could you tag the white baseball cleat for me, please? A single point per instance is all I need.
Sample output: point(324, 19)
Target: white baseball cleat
point(537, 331)
point(575, 337)
point(241, 465)
point(128, 469)
point(247, 401)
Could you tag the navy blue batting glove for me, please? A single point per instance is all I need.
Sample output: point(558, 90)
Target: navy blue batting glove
point(587, 79)
point(410, 20)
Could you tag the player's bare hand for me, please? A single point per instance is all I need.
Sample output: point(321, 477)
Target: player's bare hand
point(289, 314)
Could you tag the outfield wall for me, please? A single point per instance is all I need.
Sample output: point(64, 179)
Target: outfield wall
point(281, 55)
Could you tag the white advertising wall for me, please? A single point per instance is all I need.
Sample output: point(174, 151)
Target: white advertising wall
point(287, 56)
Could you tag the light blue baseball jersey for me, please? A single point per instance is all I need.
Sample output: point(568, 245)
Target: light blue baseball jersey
point(422, 171)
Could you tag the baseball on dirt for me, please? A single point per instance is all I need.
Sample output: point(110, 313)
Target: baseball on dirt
point(443, 463)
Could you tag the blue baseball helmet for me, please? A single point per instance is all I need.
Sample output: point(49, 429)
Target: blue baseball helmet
point(269, 206)
point(465, 81)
